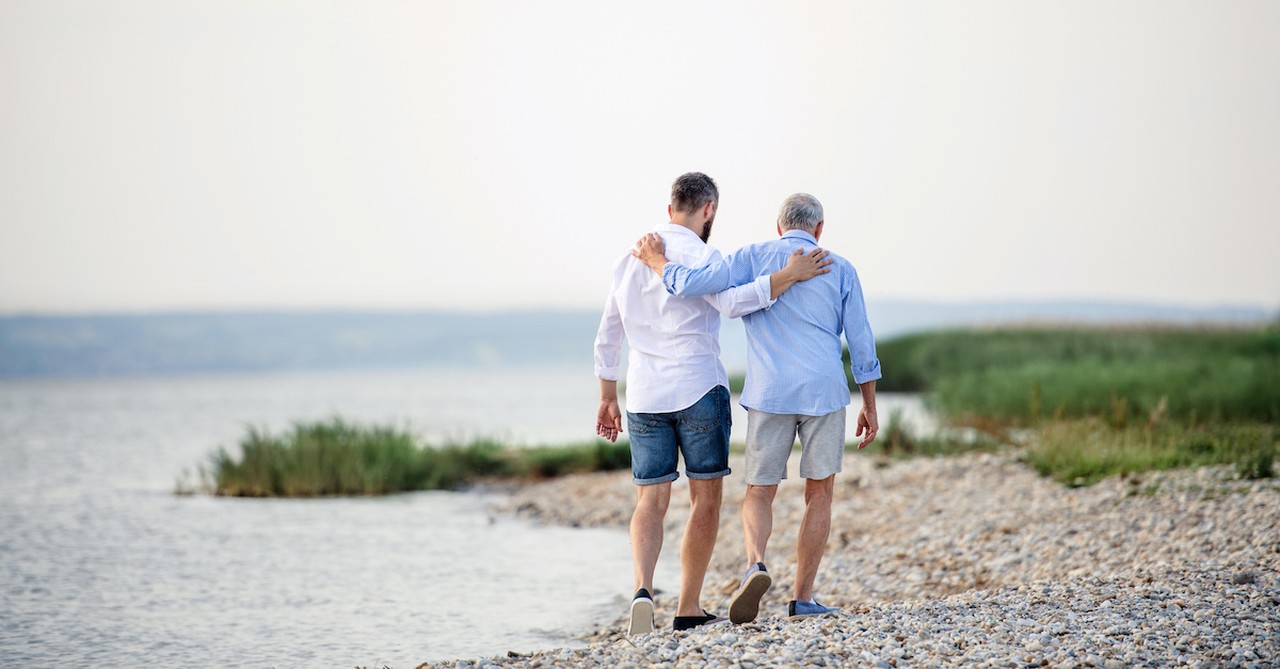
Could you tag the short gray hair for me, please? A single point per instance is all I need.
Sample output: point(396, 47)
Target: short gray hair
point(801, 211)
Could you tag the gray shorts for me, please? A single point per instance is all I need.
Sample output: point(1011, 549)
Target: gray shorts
point(770, 437)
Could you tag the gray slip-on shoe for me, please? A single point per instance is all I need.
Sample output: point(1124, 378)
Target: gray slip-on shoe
point(744, 606)
point(798, 609)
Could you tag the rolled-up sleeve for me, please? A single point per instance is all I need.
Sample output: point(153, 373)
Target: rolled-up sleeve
point(609, 337)
point(857, 332)
point(745, 299)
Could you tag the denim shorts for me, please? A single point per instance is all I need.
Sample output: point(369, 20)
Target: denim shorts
point(699, 433)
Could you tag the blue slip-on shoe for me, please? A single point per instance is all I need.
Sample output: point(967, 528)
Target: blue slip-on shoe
point(745, 603)
point(641, 613)
point(799, 609)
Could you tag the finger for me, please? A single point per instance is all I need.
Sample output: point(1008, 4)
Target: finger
point(797, 252)
point(826, 262)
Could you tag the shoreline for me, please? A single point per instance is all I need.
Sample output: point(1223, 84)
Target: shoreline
point(964, 560)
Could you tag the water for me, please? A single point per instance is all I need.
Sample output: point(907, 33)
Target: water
point(100, 563)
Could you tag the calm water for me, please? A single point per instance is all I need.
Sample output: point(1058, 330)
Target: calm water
point(101, 564)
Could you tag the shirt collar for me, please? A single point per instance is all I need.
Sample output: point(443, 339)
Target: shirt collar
point(676, 229)
point(800, 234)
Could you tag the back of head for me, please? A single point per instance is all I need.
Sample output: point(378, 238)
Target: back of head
point(692, 191)
point(801, 211)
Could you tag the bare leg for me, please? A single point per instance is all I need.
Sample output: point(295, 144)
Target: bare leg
point(757, 520)
point(814, 530)
point(646, 531)
point(699, 540)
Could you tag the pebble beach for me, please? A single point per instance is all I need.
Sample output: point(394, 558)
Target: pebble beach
point(971, 560)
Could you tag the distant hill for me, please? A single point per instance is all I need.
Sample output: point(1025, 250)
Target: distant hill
point(231, 342)
point(891, 318)
point(170, 343)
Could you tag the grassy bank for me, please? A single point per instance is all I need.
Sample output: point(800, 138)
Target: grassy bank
point(1081, 452)
point(1105, 401)
point(1023, 375)
point(336, 457)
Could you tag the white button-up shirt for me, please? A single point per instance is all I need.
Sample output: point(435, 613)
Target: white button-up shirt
point(675, 341)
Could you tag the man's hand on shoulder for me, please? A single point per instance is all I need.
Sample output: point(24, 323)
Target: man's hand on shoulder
point(651, 251)
point(803, 266)
point(800, 266)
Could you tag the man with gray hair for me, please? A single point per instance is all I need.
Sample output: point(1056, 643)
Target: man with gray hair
point(795, 386)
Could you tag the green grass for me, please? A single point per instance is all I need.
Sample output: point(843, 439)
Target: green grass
point(1023, 375)
point(1082, 452)
point(336, 457)
point(1105, 400)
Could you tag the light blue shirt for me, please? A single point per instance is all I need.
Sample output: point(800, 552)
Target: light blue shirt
point(793, 347)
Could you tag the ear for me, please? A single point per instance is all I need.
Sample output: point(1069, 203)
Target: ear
point(817, 232)
point(709, 210)
point(779, 229)
point(668, 211)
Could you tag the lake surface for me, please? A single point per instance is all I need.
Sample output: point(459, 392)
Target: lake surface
point(100, 563)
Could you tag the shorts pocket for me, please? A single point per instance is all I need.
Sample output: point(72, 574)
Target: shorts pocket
point(709, 413)
point(639, 423)
point(700, 425)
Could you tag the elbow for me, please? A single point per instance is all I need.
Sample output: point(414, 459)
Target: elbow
point(867, 373)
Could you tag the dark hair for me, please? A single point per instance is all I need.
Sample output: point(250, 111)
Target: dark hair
point(692, 191)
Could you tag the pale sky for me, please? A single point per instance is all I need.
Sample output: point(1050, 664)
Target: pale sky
point(486, 155)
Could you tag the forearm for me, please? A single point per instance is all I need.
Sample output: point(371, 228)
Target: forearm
point(868, 391)
point(608, 390)
point(780, 281)
point(684, 282)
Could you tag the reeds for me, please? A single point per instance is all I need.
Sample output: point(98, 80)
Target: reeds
point(336, 457)
point(1022, 375)
point(1104, 401)
point(1081, 452)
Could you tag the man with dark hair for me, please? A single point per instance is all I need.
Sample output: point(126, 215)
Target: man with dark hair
point(694, 191)
point(677, 391)
point(795, 387)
